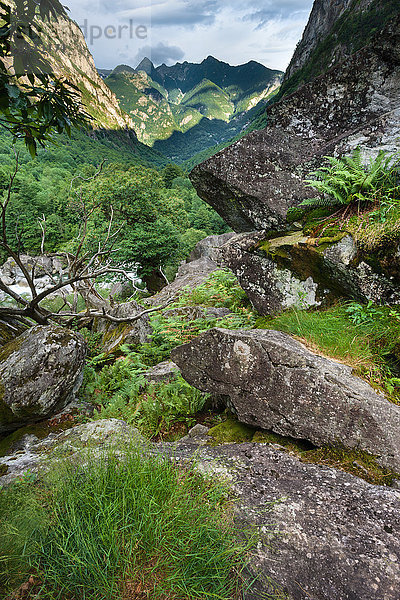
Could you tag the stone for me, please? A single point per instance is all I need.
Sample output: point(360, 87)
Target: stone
point(325, 534)
point(209, 247)
point(165, 371)
point(274, 382)
point(40, 372)
point(190, 275)
point(40, 456)
point(116, 334)
point(286, 271)
point(254, 182)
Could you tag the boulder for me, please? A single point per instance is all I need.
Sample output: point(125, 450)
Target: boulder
point(209, 247)
point(324, 534)
point(34, 456)
point(274, 382)
point(40, 371)
point(254, 182)
point(284, 271)
point(190, 275)
point(116, 334)
point(164, 371)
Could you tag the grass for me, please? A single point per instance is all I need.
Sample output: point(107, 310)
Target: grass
point(364, 337)
point(123, 528)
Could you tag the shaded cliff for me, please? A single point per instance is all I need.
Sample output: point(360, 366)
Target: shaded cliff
point(255, 181)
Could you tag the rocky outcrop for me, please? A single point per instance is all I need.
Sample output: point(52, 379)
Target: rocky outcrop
point(274, 382)
point(324, 534)
point(254, 182)
point(295, 270)
point(116, 334)
point(190, 275)
point(40, 371)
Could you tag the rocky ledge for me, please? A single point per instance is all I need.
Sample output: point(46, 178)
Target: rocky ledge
point(324, 534)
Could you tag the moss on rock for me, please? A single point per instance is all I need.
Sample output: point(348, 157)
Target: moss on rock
point(231, 431)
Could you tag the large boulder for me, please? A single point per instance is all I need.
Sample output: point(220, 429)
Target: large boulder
point(254, 182)
point(324, 534)
point(276, 383)
point(293, 270)
point(40, 371)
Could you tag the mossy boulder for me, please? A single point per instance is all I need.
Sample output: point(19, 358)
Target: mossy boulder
point(40, 371)
point(281, 271)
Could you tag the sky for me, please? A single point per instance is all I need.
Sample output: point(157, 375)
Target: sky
point(170, 31)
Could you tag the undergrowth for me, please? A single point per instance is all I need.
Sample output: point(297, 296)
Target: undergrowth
point(119, 388)
point(116, 528)
point(366, 337)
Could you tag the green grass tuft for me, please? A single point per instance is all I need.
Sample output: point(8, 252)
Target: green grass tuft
point(123, 527)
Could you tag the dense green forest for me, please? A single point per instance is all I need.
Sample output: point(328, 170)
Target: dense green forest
point(159, 213)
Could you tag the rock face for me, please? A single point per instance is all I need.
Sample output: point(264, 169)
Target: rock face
point(276, 383)
point(254, 182)
point(324, 534)
point(292, 271)
point(324, 17)
point(39, 373)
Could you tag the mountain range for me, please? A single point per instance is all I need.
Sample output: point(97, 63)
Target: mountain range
point(187, 107)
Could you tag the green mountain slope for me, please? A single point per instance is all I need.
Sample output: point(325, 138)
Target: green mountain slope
point(112, 132)
point(188, 107)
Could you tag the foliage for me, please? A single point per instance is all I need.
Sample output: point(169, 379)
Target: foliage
point(155, 409)
point(347, 181)
point(43, 187)
point(34, 102)
point(121, 526)
point(221, 289)
point(365, 337)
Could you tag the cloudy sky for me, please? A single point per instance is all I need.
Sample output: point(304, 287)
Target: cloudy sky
point(235, 31)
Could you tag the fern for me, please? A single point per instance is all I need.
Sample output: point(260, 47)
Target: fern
point(347, 181)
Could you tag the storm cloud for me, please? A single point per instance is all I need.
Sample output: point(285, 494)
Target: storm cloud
point(234, 31)
point(159, 54)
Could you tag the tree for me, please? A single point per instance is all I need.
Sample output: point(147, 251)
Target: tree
point(82, 267)
point(149, 237)
point(34, 102)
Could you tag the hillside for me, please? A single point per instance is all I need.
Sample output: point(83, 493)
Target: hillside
point(189, 107)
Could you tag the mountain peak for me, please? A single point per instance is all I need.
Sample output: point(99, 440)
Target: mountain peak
point(211, 59)
point(145, 65)
point(123, 69)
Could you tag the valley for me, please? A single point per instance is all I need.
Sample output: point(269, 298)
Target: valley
point(200, 306)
